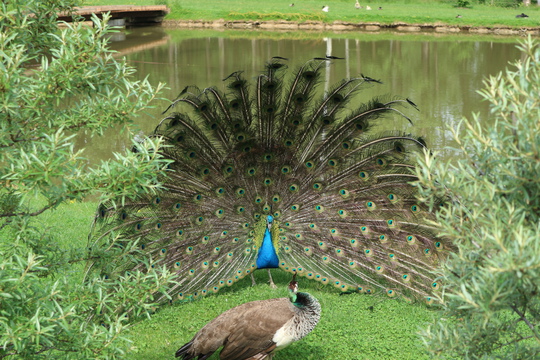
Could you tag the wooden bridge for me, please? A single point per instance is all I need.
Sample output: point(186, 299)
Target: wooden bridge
point(122, 15)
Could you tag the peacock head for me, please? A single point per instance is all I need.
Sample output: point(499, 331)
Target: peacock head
point(269, 221)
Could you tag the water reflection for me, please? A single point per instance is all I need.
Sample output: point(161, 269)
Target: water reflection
point(440, 74)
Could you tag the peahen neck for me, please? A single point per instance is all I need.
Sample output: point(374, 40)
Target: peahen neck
point(303, 300)
point(267, 256)
point(307, 314)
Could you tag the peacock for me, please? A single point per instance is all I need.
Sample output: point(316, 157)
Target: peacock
point(255, 330)
point(281, 173)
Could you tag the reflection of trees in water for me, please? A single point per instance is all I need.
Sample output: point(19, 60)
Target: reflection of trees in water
point(440, 76)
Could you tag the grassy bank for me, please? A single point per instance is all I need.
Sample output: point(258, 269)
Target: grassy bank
point(406, 11)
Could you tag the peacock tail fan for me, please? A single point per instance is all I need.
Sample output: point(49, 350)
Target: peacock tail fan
point(344, 212)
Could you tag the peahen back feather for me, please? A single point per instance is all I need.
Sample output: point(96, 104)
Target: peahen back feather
point(280, 158)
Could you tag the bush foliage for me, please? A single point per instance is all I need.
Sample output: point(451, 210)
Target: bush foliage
point(492, 303)
point(54, 83)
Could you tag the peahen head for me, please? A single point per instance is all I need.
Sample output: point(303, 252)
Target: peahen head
point(293, 288)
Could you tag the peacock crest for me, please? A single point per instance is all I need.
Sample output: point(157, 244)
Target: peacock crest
point(279, 166)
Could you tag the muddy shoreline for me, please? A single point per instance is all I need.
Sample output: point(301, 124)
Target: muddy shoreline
point(346, 26)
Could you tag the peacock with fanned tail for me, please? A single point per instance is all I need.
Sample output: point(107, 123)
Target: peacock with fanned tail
point(278, 174)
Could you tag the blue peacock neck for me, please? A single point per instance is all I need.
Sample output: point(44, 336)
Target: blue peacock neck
point(267, 255)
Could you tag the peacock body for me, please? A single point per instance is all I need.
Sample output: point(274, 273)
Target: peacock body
point(257, 329)
point(279, 174)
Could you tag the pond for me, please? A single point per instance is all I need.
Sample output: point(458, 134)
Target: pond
point(440, 73)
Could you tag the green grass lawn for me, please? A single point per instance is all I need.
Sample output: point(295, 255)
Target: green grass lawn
point(407, 11)
point(352, 326)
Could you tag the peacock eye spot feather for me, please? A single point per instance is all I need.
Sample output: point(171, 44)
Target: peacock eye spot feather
point(251, 171)
point(438, 245)
point(138, 226)
point(332, 162)
point(240, 191)
point(197, 197)
point(327, 120)
point(277, 214)
point(337, 98)
point(191, 154)
point(258, 200)
point(363, 175)
point(309, 164)
point(276, 198)
point(267, 181)
point(158, 226)
point(300, 98)
point(256, 216)
point(180, 233)
point(309, 75)
point(235, 104)
point(163, 251)
point(270, 85)
point(268, 157)
point(266, 208)
point(240, 137)
point(346, 145)
point(293, 188)
point(380, 162)
point(317, 186)
point(289, 143)
point(157, 200)
point(123, 215)
point(246, 149)
point(237, 84)
point(213, 126)
point(285, 169)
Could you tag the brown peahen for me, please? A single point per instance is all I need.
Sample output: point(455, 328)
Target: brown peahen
point(279, 174)
point(257, 329)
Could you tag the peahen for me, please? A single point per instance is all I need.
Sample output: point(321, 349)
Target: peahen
point(279, 173)
point(257, 329)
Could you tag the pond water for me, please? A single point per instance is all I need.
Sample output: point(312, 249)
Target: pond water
point(440, 73)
